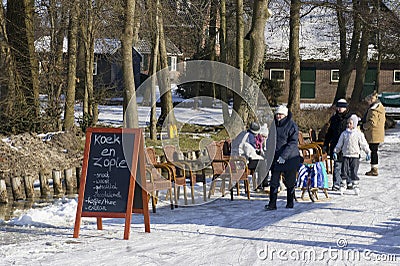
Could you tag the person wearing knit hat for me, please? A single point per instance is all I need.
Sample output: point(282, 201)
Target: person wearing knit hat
point(341, 103)
point(254, 128)
point(337, 124)
point(281, 109)
point(350, 143)
point(286, 159)
point(354, 119)
point(245, 144)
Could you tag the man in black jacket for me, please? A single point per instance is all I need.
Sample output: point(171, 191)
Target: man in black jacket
point(337, 124)
point(286, 159)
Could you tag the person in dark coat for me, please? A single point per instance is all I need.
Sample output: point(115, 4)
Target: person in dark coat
point(286, 159)
point(337, 124)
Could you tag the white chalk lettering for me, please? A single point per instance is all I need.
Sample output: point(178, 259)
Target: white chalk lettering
point(101, 140)
point(102, 175)
point(110, 163)
point(97, 208)
point(97, 162)
point(108, 152)
point(106, 194)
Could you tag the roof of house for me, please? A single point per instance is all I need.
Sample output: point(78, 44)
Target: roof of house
point(107, 46)
point(319, 34)
point(144, 47)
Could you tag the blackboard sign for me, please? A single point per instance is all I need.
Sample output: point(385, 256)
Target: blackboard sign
point(108, 174)
point(112, 174)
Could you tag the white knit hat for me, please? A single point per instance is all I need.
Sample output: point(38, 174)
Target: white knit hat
point(281, 109)
point(264, 130)
point(355, 120)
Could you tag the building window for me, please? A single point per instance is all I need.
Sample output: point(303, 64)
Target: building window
point(277, 74)
point(172, 61)
point(335, 75)
point(94, 68)
point(396, 76)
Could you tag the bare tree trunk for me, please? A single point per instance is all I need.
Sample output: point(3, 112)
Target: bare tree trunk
point(377, 4)
point(153, 69)
point(20, 29)
point(362, 66)
point(239, 105)
point(362, 61)
point(55, 81)
point(87, 31)
point(8, 91)
point(131, 116)
point(212, 30)
point(347, 61)
point(223, 59)
point(294, 58)
point(165, 84)
point(255, 69)
point(69, 117)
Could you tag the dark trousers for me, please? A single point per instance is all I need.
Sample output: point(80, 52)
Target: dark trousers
point(374, 152)
point(260, 167)
point(350, 168)
point(289, 180)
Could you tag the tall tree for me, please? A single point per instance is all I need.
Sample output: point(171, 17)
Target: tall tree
point(8, 89)
point(69, 116)
point(223, 57)
point(239, 104)
point(347, 56)
point(87, 34)
point(130, 110)
point(362, 60)
point(294, 57)
point(20, 29)
point(255, 68)
point(164, 79)
point(153, 67)
point(53, 85)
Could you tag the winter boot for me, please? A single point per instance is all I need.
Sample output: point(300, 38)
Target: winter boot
point(356, 188)
point(373, 171)
point(290, 197)
point(273, 196)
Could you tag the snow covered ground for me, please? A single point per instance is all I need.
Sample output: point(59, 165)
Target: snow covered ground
point(342, 230)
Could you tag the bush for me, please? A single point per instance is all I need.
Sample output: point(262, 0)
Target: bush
point(272, 90)
point(313, 118)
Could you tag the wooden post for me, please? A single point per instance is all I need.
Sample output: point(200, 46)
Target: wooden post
point(3, 191)
point(78, 172)
point(16, 186)
point(57, 183)
point(29, 189)
point(44, 185)
point(70, 183)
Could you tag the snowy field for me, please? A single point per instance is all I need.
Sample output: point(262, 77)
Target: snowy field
point(341, 230)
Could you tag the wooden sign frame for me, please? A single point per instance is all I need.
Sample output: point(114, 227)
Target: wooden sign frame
point(137, 168)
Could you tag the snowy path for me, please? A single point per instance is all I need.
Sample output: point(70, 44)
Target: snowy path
point(345, 230)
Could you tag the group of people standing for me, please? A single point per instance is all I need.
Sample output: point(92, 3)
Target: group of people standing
point(343, 141)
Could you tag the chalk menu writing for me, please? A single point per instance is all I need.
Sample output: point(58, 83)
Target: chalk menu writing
point(108, 173)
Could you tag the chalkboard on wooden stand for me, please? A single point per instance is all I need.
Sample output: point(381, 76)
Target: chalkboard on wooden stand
point(113, 172)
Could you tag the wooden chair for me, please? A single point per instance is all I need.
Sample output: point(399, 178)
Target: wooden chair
point(173, 156)
point(157, 181)
point(312, 151)
point(227, 167)
point(325, 157)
